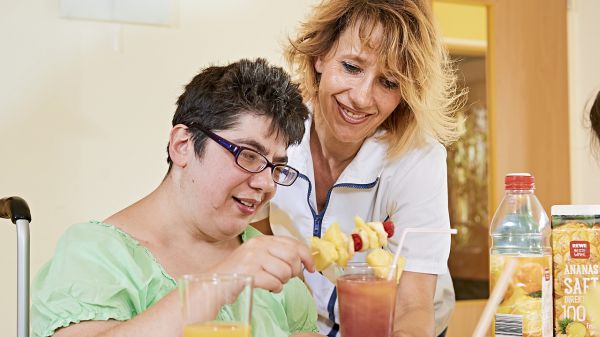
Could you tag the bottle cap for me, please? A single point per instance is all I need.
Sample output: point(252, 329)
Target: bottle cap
point(519, 181)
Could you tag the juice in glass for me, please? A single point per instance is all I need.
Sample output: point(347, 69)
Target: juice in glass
point(366, 303)
point(216, 305)
point(216, 329)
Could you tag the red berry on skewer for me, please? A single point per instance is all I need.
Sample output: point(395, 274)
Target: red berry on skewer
point(388, 226)
point(357, 242)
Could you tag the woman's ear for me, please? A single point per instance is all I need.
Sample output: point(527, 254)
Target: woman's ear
point(180, 145)
point(319, 65)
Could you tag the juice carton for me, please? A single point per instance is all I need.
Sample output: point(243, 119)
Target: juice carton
point(576, 258)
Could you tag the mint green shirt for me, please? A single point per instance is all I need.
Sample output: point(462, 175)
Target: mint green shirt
point(99, 272)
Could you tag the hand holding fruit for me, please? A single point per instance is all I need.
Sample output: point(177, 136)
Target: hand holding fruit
point(271, 260)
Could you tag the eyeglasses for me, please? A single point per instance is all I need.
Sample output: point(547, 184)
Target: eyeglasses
point(252, 161)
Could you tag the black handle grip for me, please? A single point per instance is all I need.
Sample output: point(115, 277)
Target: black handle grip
point(14, 208)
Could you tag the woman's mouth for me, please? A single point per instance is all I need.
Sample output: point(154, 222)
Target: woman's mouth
point(351, 116)
point(247, 206)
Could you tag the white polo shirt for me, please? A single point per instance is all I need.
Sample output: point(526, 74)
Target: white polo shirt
point(410, 190)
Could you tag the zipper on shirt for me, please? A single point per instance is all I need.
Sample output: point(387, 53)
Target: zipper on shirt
point(317, 225)
point(318, 216)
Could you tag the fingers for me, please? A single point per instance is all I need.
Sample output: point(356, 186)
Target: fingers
point(273, 261)
point(291, 258)
point(279, 270)
point(294, 252)
point(267, 281)
point(305, 255)
point(306, 258)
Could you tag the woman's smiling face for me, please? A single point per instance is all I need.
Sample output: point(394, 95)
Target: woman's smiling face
point(354, 96)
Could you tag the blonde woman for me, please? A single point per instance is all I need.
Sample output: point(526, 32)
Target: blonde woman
point(382, 97)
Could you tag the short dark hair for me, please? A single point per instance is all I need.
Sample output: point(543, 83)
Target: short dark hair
point(595, 116)
point(219, 95)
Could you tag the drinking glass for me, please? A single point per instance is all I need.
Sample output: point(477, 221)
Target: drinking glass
point(216, 305)
point(367, 301)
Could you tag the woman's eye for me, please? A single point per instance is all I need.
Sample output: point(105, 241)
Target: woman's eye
point(389, 84)
point(349, 67)
point(249, 155)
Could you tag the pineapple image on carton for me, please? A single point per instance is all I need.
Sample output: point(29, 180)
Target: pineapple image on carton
point(529, 275)
point(576, 259)
point(523, 297)
point(592, 304)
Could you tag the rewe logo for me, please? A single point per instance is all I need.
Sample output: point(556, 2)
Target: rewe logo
point(580, 249)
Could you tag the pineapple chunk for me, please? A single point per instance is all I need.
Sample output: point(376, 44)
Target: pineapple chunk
point(324, 253)
point(381, 233)
point(576, 329)
point(380, 260)
point(335, 235)
point(364, 238)
point(343, 257)
point(373, 239)
point(359, 222)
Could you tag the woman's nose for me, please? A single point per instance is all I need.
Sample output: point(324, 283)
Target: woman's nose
point(361, 94)
point(263, 180)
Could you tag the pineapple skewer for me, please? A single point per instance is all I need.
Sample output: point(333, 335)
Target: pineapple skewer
point(337, 247)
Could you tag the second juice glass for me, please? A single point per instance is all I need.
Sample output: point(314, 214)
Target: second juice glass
point(216, 305)
point(366, 301)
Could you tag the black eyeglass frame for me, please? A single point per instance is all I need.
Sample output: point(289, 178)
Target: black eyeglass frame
point(235, 150)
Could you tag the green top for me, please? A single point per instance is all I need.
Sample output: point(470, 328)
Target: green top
point(99, 272)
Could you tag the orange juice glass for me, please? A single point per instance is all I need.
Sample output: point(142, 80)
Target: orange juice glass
point(216, 329)
point(366, 302)
point(216, 305)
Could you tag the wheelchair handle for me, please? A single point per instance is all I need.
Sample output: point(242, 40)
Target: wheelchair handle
point(16, 209)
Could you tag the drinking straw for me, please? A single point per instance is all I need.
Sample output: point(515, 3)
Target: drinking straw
point(414, 230)
point(495, 298)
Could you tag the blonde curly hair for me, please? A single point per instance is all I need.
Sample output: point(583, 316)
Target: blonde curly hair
point(410, 53)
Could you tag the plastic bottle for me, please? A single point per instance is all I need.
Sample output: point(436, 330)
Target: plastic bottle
point(520, 229)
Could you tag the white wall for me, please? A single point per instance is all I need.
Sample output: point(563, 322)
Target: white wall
point(584, 81)
point(85, 107)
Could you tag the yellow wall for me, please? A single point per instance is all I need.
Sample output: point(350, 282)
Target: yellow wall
point(463, 26)
point(461, 21)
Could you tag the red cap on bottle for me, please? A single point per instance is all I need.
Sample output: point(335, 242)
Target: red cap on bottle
point(519, 181)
